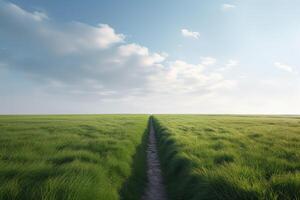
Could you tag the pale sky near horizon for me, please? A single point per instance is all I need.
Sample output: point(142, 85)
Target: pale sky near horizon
point(131, 56)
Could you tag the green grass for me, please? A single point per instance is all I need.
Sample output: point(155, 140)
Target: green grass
point(72, 157)
point(104, 157)
point(230, 157)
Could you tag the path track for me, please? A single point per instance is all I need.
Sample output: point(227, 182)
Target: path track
point(155, 189)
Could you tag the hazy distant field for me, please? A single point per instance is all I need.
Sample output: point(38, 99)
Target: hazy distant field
point(71, 157)
point(230, 157)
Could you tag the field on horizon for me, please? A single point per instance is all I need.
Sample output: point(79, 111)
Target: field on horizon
point(72, 157)
point(230, 157)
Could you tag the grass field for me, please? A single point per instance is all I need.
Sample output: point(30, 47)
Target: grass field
point(230, 157)
point(103, 157)
point(72, 157)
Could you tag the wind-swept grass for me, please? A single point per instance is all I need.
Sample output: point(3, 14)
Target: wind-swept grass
point(230, 157)
point(72, 157)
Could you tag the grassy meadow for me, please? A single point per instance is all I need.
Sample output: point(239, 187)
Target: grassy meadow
point(103, 157)
point(230, 157)
point(72, 157)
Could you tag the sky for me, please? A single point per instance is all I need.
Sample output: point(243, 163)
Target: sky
point(132, 56)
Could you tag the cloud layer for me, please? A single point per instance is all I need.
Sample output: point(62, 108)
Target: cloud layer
point(190, 34)
point(284, 67)
point(81, 59)
point(227, 7)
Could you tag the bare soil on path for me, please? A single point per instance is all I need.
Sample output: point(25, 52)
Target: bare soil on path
point(155, 189)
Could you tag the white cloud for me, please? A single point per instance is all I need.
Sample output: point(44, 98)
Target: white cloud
point(105, 36)
point(22, 14)
point(208, 60)
point(67, 38)
point(80, 59)
point(190, 34)
point(232, 63)
point(180, 77)
point(76, 37)
point(133, 49)
point(40, 16)
point(283, 67)
point(142, 53)
point(229, 65)
point(227, 7)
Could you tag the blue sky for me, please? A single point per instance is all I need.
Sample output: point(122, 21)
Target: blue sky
point(155, 56)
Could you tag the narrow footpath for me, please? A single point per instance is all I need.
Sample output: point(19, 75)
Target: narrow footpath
point(155, 189)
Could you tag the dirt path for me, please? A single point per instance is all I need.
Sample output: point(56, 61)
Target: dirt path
point(155, 189)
